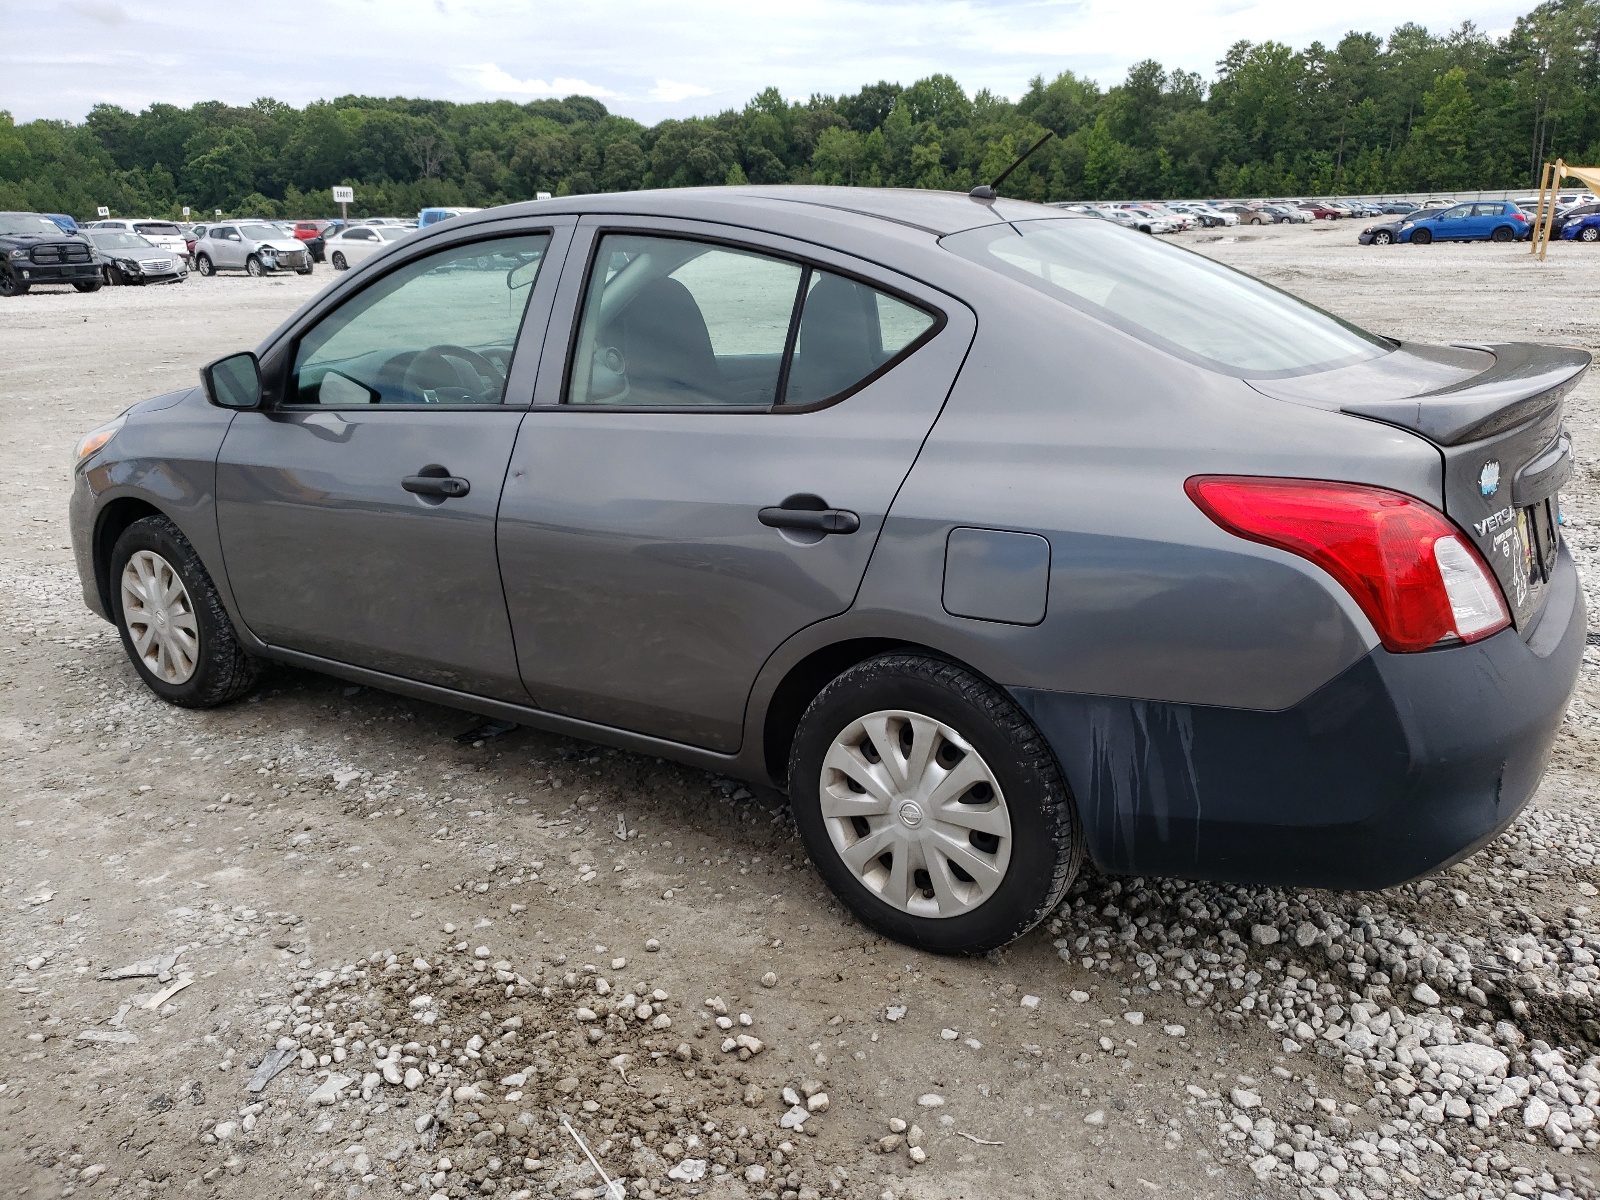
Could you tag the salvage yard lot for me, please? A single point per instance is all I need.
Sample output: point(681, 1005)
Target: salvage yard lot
point(454, 944)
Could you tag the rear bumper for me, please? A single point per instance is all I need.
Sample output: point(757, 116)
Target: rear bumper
point(1403, 764)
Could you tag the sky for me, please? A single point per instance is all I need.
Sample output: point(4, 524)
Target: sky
point(643, 59)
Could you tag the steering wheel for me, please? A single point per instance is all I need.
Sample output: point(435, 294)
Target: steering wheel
point(431, 370)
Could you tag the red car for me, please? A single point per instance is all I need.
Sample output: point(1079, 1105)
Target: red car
point(1320, 211)
point(306, 230)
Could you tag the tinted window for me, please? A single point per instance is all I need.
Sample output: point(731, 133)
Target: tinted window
point(847, 332)
point(1172, 298)
point(158, 229)
point(1488, 210)
point(361, 235)
point(672, 323)
point(440, 330)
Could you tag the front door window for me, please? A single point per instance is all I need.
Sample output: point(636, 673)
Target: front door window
point(439, 330)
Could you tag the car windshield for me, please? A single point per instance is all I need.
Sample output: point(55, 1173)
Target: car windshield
point(263, 233)
point(27, 223)
point(1175, 299)
point(116, 239)
point(158, 229)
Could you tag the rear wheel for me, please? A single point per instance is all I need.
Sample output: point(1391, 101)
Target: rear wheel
point(1421, 237)
point(339, 263)
point(203, 265)
point(1589, 233)
point(1382, 238)
point(932, 806)
point(173, 624)
point(253, 267)
point(1503, 234)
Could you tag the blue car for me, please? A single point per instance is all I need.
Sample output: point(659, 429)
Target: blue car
point(1482, 221)
point(1584, 229)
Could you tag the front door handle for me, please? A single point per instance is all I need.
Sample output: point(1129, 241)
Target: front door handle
point(810, 513)
point(436, 485)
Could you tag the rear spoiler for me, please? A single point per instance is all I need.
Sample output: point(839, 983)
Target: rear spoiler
point(1525, 382)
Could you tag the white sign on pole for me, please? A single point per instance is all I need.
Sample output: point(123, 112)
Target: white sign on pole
point(344, 195)
point(103, 211)
point(219, 214)
point(541, 195)
point(186, 212)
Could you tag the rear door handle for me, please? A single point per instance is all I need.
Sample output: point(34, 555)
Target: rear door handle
point(810, 513)
point(436, 485)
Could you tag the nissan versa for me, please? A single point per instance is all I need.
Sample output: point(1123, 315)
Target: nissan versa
point(997, 536)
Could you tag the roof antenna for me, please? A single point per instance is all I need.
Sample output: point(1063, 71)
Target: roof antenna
point(986, 191)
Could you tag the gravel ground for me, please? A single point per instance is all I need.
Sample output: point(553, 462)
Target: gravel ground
point(317, 944)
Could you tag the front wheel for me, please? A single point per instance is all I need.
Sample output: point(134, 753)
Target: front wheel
point(204, 266)
point(1383, 238)
point(1589, 233)
point(173, 624)
point(339, 264)
point(1421, 237)
point(10, 285)
point(87, 285)
point(932, 806)
point(253, 267)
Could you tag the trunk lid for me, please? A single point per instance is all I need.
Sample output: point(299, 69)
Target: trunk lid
point(1495, 413)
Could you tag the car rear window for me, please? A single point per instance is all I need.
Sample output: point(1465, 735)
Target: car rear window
point(158, 229)
point(1175, 299)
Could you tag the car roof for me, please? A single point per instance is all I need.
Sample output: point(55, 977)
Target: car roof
point(938, 213)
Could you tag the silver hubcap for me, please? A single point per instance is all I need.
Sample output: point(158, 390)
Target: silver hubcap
point(916, 814)
point(160, 617)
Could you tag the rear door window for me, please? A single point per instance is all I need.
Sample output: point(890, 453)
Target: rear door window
point(676, 323)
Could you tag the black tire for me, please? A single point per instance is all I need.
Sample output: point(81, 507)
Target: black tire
point(1046, 849)
point(204, 265)
point(1589, 233)
point(1422, 237)
point(253, 267)
point(339, 263)
point(1503, 234)
point(1383, 238)
point(10, 285)
point(307, 271)
point(223, 671)
point(89, 285)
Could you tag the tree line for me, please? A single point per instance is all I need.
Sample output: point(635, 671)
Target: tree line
point(1411, 112)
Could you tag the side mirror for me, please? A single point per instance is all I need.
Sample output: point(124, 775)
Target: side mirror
point(233, 382)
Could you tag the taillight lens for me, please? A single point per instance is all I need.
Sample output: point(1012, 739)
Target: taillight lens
point(1417, 579)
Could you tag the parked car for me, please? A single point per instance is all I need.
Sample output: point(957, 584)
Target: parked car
point(1573, 212)
point(1248, 215)
point(255, 247)
point(1288, 214)
point(1398, 208)
point(164, 235)
point(386, 221)
point(1319, 211)
point(349, 246)
point(1491, 220)
point(432, 216)
point(310, 230)
point(1583, 229)
point(68, 224)
point(129, 258)
point(34, 250)
point(1211, 218)
point(964, 563)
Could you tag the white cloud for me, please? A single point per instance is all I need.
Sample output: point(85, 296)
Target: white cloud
point(499, 82)
point(669, 92)
point(635, 54)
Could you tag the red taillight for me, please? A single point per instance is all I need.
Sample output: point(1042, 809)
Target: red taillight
point(1516, 216)
point(1417, 579)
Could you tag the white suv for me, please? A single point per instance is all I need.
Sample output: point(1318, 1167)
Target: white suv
point(255, 247)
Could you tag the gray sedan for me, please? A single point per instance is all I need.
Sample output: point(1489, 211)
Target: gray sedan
point(997, 536)
point(129, 258)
